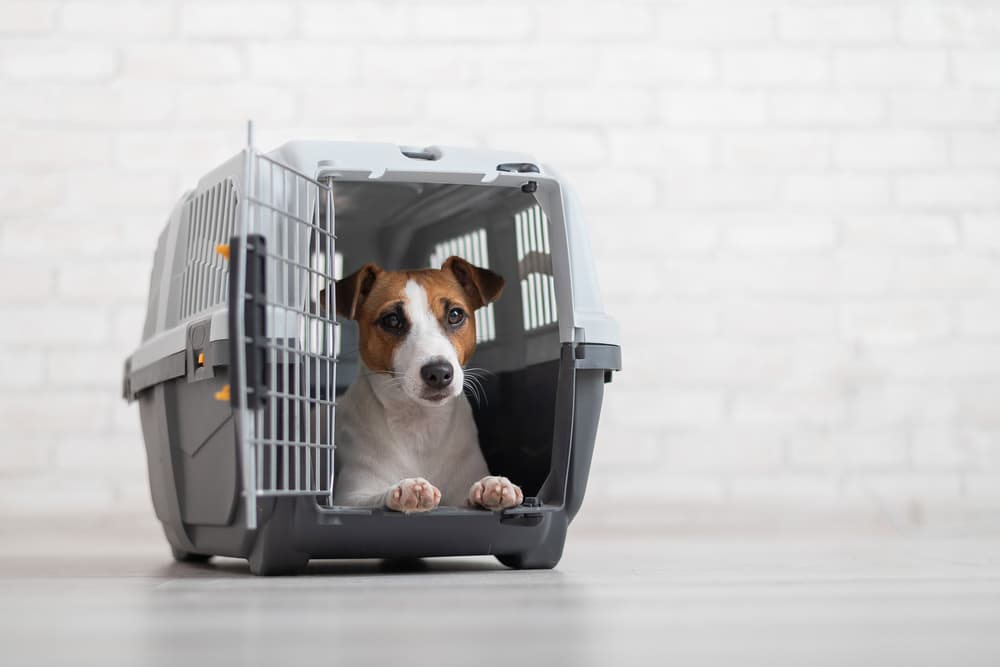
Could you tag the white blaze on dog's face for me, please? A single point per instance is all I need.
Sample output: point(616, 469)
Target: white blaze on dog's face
point(417, 329)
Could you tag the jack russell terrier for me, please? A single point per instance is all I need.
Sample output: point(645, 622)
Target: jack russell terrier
point(406, 439)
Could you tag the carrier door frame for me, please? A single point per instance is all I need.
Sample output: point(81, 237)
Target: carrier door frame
point(283, 333)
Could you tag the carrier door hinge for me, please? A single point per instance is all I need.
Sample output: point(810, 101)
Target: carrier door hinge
point(254, 296)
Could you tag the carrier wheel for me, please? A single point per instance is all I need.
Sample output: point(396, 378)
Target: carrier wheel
point(182, 556)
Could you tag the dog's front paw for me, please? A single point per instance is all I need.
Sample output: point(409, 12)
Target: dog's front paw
point(413, 494)
point(495, 493)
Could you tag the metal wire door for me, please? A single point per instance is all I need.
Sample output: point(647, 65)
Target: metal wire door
point(286, 368)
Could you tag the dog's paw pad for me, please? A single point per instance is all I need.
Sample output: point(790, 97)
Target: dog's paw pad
point(413, 494)
point(495, 493)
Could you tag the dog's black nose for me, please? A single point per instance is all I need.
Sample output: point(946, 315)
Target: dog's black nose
point(437, 374)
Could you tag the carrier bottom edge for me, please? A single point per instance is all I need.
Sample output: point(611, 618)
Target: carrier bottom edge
point(286, 539)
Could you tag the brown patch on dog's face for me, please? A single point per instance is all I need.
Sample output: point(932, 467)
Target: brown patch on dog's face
point(401, 313)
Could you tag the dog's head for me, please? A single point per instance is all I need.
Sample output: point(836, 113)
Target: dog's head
point(417, 328)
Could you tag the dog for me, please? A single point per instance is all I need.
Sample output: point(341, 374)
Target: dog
point(405, 436)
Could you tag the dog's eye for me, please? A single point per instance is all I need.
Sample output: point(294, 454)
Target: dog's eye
point(392, 321)
point(456, 316)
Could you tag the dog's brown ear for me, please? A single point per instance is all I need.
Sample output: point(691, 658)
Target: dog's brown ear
point(352, 290)
point(482, 285)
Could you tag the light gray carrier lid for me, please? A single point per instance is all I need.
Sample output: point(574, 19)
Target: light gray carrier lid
point(582, 318)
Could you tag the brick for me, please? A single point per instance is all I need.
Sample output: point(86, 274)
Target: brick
point(105, 282)
point(470, 23)
point(19, 18)
point(719, 188)
point(612, 190)
point(649, 63)
point(123, 20)
point(934, 359)
point(461, 106)
point(774, 66)
point(25, 282)
point(976, 149)
point(733, 26)
point(949, 188)
point(785, 319)
point(936, 24)
point(838, 23)
point(181, 62)
point(945, 107)
point(977, 67)
point(52, 324)
point(34, 496)
point(126, 325)
point(169, 149)
point(654, 147)
point(102, 455)
point(557, 145)
point(793, 234)
point(311, 63)
point(779, 149)
point(102, 105)
point(894, 148)
point(74, 366)
point(979, 317)
point(896, 322)
point(982, 230)
point(360, 20)
point(975, 407)
point(883, 404)
point(22, 367)
point(910, 491)
point(676, 233)
point(953, 273)
point(821, 408)
point(39, 413)
point(839, 190)
point(56, 147)
point(890, 67)
point(214, 103)
point(896, 231)
point(675, 319)
point(568, 20)
point(436, 64)
point(235, 19)
point(725, 450)
point(362, 106)
point(595, 105)
point(64, 240)
point(40, 60)
point(944, 448)
point(824, 108)
point(666, 408)
point(712, 107)
point(884, 449)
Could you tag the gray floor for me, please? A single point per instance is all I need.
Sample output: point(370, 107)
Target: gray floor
point(104, 593)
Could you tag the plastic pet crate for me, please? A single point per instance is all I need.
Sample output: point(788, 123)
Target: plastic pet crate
point(242, 357)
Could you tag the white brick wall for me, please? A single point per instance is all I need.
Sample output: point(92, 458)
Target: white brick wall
point(795, 207)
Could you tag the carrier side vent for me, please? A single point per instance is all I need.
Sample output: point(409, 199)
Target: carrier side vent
point(472, 248)
point(211, 218)
point(534, 259)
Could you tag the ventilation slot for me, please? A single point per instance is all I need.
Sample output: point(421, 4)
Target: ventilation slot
point(211, 220)
point(534, 258)
point(472, 248)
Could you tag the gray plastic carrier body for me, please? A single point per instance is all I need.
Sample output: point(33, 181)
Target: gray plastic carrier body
point(242, 359)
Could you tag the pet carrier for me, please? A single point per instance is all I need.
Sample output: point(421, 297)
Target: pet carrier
point(242, 357)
